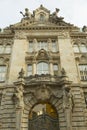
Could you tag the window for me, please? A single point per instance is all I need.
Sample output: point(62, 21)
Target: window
point(83, 72)
point(8, 49)
point(76, 48)
point(42, 68)
point(42, 45)
point(54, 46)
point(38, 44)
point(55, 69)
point(5, 49)
point(83, 48)
point(2, 73)
point(29, 70)
point(1, 48)
point(80, 48)
point(30, 46)
point(42, 17)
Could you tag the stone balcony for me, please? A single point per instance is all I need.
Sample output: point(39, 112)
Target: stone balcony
point(46, 78)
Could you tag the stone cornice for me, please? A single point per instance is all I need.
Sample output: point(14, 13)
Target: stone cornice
point(78, 35)
point(45, 28)
point(5, 35)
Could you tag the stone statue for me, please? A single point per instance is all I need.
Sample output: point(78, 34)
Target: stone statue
point(68, 106)
point(27, 13)
point(21, 74)
point(55, 14)
point(67, 99)
point(63, 72)
point(18, 97)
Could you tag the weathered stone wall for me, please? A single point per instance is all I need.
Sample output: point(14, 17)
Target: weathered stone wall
point(20, 48)
point(67, 56)
point(7, 109)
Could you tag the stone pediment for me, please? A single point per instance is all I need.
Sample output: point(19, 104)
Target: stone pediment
point(32, 24)
point(41, 17)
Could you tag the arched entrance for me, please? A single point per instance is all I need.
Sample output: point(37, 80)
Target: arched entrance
point(43, 116)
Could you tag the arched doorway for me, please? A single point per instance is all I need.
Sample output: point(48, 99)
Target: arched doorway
point(43, 116)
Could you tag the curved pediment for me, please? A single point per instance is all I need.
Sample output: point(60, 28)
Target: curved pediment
point(42, 54)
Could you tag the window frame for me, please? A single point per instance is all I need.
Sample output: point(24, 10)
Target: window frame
point(83, 48)
point(29, 69)
point(76, 48)
point(83, 73)
point(55, 70)
point(3, 79)
point(54, 46)
point(42, 70)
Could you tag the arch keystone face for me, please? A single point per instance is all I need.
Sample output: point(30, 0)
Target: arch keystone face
point(43, 93)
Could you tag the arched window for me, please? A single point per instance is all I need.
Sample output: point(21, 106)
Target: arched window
point(76, 48)
point(83, 48)
point(43, 116)
point(42, 68)
point(42, 17)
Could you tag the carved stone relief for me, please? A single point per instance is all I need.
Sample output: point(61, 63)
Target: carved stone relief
point(42, 54)
point(63, 34)
point(20, 35)
point(58, 93)
point(43, 93)
point(6, 41)
point(68, 105)
point(30, 99)
point(67, 99)
point(4, 60)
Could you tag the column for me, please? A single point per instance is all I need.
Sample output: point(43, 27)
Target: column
point(34, 68)
point(19, 103)
point(51, 68)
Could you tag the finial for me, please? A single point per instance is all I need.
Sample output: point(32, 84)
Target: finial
point(41, 5)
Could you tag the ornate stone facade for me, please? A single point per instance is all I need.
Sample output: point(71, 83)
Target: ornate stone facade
point(50, 91)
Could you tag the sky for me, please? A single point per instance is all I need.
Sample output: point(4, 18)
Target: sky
point(73, 11)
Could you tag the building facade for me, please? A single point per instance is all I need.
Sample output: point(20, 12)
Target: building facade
point(43, 73)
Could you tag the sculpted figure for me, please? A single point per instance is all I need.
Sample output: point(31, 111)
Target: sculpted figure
point(18, 97)
point(21, 73)
point(55, 13)
point(27, 13)
point(68, 106)
point(63, 72)
point(67, 99)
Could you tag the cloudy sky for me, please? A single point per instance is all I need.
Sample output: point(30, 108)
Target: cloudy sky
point(73, 11)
